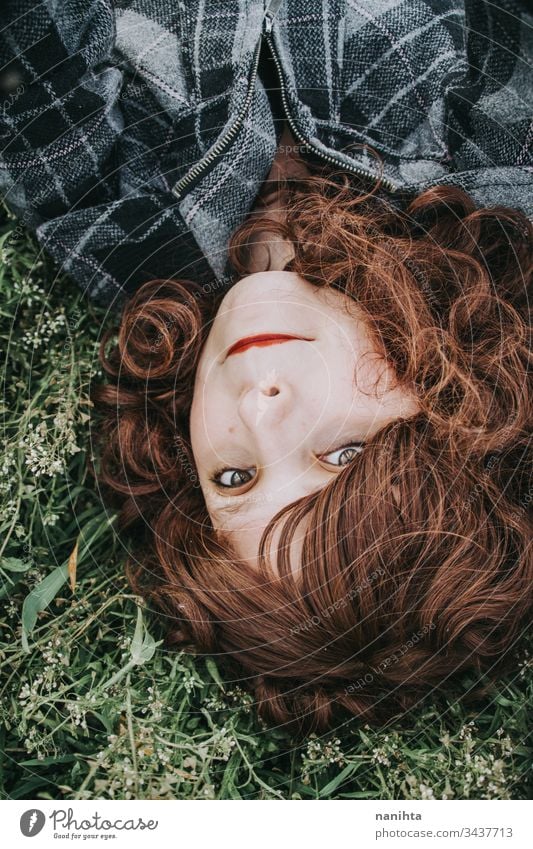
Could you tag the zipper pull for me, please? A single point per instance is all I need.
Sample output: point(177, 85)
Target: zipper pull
point(270, 14)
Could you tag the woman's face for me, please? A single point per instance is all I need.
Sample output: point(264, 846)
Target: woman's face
point(273, 420)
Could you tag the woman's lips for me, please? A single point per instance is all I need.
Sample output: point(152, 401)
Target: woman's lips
point(262, 340)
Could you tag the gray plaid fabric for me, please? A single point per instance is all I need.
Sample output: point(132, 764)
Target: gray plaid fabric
point(105, 105)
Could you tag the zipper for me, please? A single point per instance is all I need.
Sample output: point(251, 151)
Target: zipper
point(334, 160)
point(223, 143)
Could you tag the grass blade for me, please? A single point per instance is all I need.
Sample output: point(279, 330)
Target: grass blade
point(39, 599)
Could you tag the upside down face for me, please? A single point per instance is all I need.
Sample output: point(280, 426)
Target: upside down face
point(288, 389)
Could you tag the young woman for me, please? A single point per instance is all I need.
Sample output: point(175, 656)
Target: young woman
point(330, 473)
point(317, 415)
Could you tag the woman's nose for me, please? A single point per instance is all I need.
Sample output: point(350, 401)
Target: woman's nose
point(265, 403)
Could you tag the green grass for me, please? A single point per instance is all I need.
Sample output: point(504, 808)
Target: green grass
point(92, 705)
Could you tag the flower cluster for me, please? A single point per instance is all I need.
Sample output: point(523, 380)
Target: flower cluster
point(41, 322)
point(485, 776)
point(8, 465)
point(319, 755)
point(155, 705)
point(45, 448)
point(55, 652)
point(77, 712)
point(223, 743)
point(28, 291)
point(387, 751)
point(525, 664)
point(234, 699)
point(419, 790)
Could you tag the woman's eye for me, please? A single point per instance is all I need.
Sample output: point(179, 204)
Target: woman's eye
point(343, 456)
point(233, 478)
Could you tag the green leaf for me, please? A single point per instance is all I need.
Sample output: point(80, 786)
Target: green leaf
point(62, 759)
point(143, 645)
point(142, 650)
point(214, 673)
point(26, 790)
point(39, 599)
point(137, 641)
point(335, 782)
point(360, 794)
point(13, 564)
point(503, 701)
point(107, 717)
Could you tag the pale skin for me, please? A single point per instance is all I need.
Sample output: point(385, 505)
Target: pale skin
point(272, 424)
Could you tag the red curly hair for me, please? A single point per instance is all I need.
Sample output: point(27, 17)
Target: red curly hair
point(417, 563)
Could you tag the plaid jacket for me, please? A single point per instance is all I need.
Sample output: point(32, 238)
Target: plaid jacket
point(135, 134)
